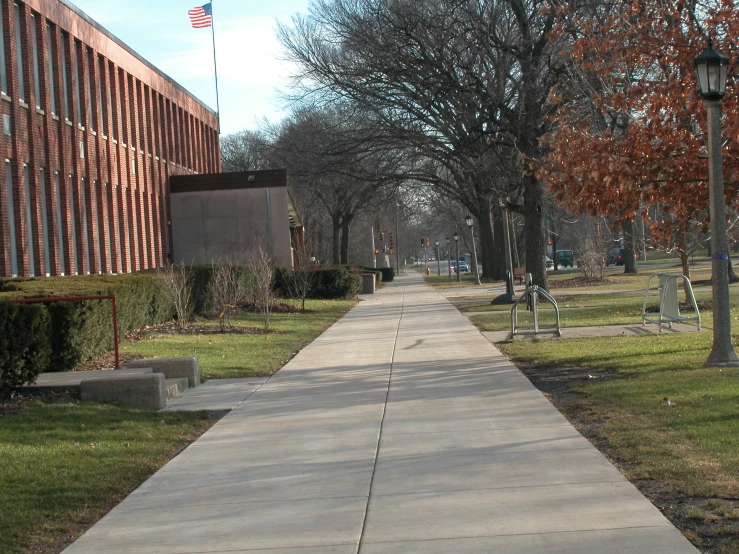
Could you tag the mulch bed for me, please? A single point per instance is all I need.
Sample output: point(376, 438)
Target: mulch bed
point(709, 535)
point(582, 281)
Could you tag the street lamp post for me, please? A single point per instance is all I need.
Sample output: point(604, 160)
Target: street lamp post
point(438, 259)
point(456, 244)
point(468, 220)
point(711, 67)
point(449, 251)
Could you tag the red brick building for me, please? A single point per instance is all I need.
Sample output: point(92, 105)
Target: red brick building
point(91, 134)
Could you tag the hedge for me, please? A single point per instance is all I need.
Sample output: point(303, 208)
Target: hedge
point(58, 336)
point(79, 331)
point(25, 345)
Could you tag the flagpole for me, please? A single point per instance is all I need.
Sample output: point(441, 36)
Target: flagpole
point(215, 64)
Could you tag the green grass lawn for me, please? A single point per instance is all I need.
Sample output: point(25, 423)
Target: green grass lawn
point(65, 465)
point(581, 310)
point(691, 448)
point(230, 355)
point(444, 282)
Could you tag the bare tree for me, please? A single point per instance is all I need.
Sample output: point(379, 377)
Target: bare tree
point(300, 281)
point(261, 282)
point(245, 151)
point(462, 84)
point(176, 283)
point(226, 290)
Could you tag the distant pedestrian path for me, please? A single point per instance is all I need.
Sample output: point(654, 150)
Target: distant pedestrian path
point(400, 430)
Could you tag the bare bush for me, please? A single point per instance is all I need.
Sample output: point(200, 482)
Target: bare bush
point(226, 290)
point(176, 283)
point(592, 259)
point(260, 282)
point(300, 281)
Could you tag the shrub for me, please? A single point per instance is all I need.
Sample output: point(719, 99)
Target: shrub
point(388, 274)
point(335, 283)
point(25, 346)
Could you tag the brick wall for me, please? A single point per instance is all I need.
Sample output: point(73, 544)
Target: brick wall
point(89, 185)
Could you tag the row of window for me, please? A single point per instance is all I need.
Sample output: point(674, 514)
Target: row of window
point(74, 201)
point(83, 58)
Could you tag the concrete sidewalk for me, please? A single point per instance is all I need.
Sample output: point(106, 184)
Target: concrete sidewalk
point(399, 430)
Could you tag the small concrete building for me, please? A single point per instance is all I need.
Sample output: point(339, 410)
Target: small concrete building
point(225, 216)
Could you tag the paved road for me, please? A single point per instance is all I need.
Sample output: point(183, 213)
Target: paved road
point(400, 430)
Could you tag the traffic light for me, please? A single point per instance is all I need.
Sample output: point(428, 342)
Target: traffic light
point(382, 237)
point(377, 251)
point(423, 243)
point(390, 237)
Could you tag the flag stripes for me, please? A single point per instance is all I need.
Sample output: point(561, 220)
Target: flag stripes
point(201, 16)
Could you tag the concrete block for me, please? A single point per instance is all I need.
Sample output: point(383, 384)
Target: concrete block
point(368, 283)
point(141, 391)
point(175, 387)
point(172, 368)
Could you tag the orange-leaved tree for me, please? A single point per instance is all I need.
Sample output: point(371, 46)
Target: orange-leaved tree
point(629, 131)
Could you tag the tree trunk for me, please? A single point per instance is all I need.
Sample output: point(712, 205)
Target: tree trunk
point(345, 243)
point(491, 237)
point(533, 221)
point(629, 260)
point(335, 246)
point(516, 260)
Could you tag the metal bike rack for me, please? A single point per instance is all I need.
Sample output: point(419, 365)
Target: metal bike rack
point(669, 305)
point(531, 296)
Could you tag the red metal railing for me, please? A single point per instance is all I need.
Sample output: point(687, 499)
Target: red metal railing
point(110, 297)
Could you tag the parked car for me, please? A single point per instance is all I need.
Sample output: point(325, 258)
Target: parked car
point(463, 266)
point(565, 258)
point(615, 256)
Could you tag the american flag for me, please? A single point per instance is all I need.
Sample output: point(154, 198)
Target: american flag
point(201, 16)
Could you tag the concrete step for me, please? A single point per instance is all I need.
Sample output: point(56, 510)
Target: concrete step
point(174, 387)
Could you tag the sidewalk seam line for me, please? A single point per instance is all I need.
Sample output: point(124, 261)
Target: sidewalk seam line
point(382, 423)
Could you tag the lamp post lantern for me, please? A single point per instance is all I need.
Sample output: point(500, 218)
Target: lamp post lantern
point(438, 259)
point(712, 68)
point(449, 255)
point(468, 220)
point(456, 244)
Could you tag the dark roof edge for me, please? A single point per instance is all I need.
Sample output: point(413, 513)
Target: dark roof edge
point(131, 51)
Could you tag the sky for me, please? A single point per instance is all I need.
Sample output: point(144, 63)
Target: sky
point(251, 74)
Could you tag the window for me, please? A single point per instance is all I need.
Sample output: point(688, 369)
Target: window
point(52, 85)
point(132, 94)
point(11, 218)
point(96, 225)
point(29, 222)
point(85, 226)
point(77, 77)
point(65, 78)
point(113, 99)
point(73, 219)
point(44, 220)
point(59, 223)
point(90, 99)
point(101, 99)
point(36, 80)
point(3, 71)
point(124, 105)
point(19, 52)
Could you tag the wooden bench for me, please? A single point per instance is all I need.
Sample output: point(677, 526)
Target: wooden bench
point(519, 273)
